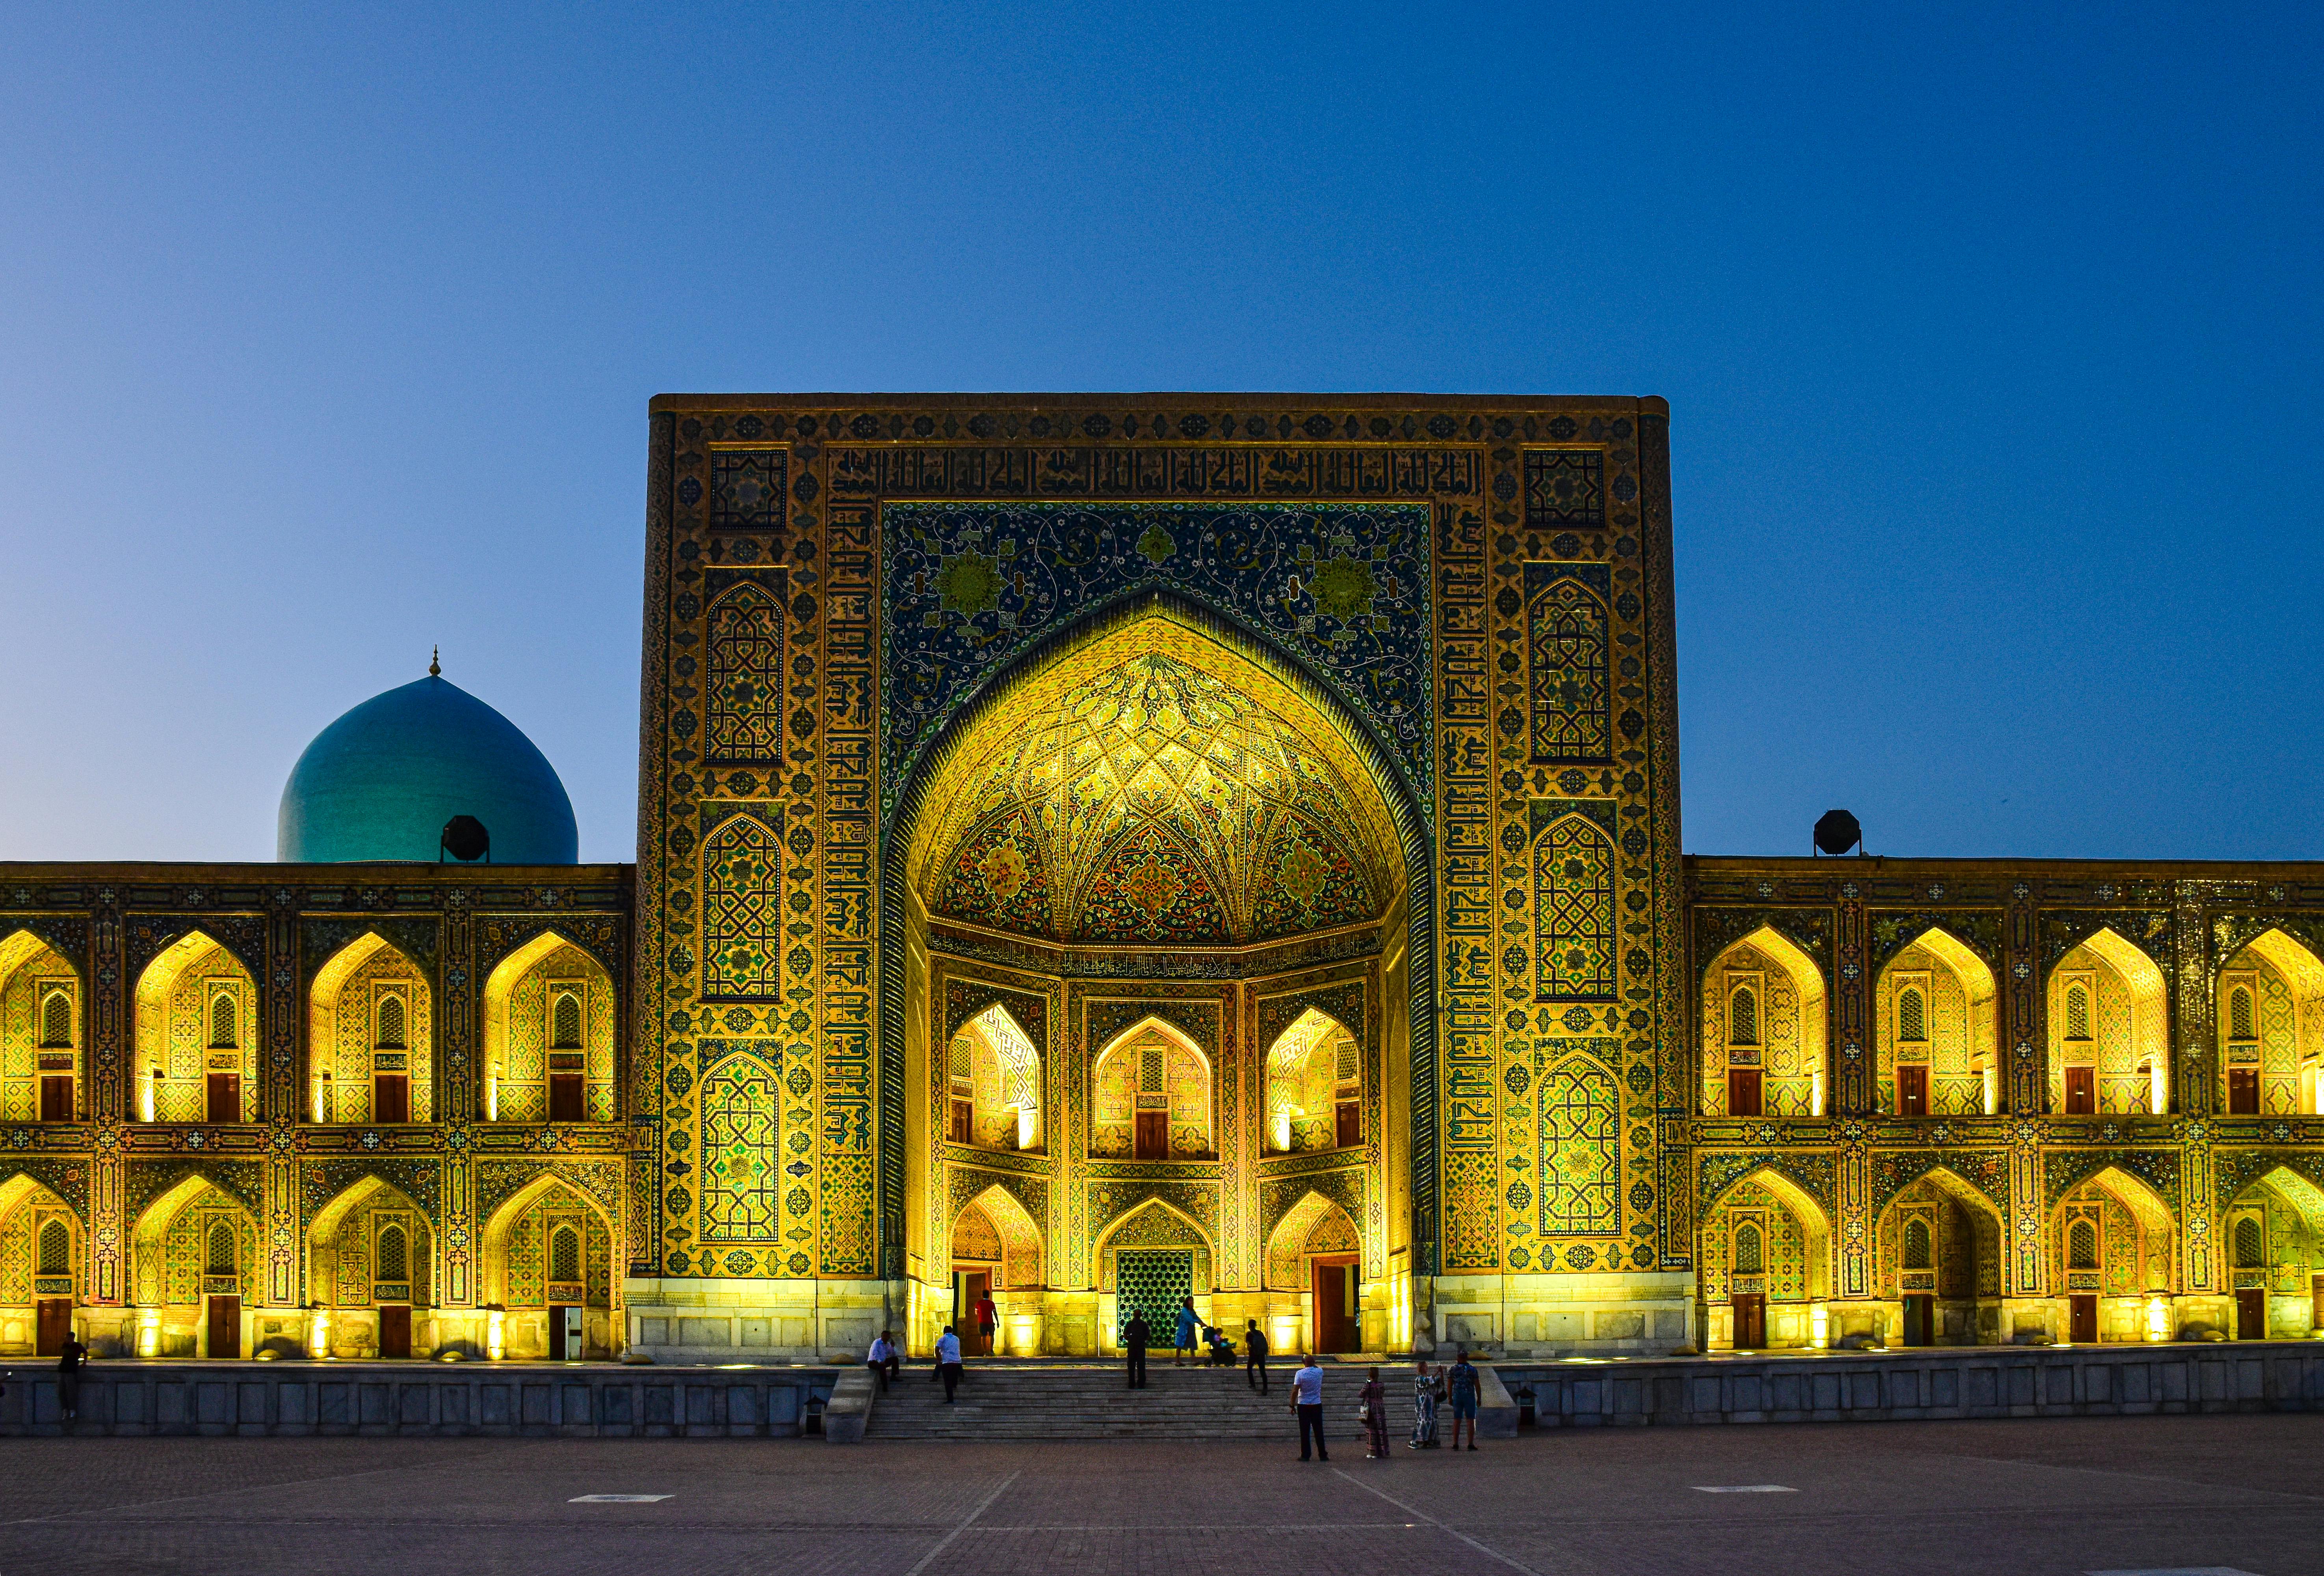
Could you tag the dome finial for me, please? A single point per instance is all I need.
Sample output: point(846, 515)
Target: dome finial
point(435, 667)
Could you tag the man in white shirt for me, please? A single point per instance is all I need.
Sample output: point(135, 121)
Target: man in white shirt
point(1307, 1400)
point(883, 1361)
point(948, 1361)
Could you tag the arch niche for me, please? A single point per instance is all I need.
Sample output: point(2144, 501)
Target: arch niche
point(370, 1036)
point(1938, 1024)
point(1940, 1262)
point(549, 1036)
point(2113, 1249)
point(40, 1250)
point(197, 1024)
point(2109, 1031)
point(41, 1075)
point(1765, 1265)
point(1763, 1029)
point(2273, 1236)
point(548, 1246)
point(1153, 806)
point(2271, 1023)
point(371, 1258)
point(194, 1263)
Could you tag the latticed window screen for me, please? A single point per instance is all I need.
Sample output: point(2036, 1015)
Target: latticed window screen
point(1919, 1251)
point(390, 1024)
point(1149, 1071)
point(394, 1256)
point(1743, 1018)
point(1911, 1017)
point(56, 1019)
point(565, 1025)
point(1751, 1251)
point(1573, 892)
point(220, 1259)
point(565, 1254)
point(2082, 1245)
point(55, 1256)
point(1152, 1279)
point(2240, 1015)
point(1344, 1062)
point(222, 1021)
point(2251, 1244)
point(2078, 1013)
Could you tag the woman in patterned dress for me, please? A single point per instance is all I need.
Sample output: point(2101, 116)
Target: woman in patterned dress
point(1424, 1407)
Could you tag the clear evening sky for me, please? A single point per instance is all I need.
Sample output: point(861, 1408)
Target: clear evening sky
point(1990, 334)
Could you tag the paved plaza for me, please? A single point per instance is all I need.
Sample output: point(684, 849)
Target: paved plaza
point(2037, 1496)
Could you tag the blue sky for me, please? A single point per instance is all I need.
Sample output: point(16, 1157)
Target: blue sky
point(1991, 336)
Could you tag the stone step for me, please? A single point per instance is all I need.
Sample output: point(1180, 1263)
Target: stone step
point(1093, 1403)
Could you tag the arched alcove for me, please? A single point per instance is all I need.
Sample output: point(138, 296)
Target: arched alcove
point(42, 1076)
point(1938, 1031)
point(2271, 1025)
point(1764, 1030)
point(549, 1016)
point(196, 1017)
point(2109, 1031)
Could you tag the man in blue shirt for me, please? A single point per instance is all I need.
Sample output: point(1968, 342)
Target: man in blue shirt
point(1307, 1400)
point(1461, 1384)
point(948, 1361)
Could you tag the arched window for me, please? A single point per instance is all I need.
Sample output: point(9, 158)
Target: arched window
point(1912, 1015)
point(1751, 1251)
point(55, 1021)
point(2082, 1245)
point(2251, 1244)
point(565, 1254)
point(222, 1021)
point(394, 1257)
point(220, 1260)
point(2240, 1015)
point(2078, 1012)
point(1919, 1252)
point(565, 1025)
point(56, 1249)
point(390, 1024)
point(1743, 1018)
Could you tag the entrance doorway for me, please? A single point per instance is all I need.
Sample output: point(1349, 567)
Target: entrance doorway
point(395, 1330)
point(222, 1096)
point(1751, 1314)
point(2250, 1315)
point(2082, 1318)
point(1153, 1142)
point(970, 1287)
point(566, 1341)
point(1339, 1318)
point(225, 1327)
point(1919, 1320)
point(55, 1320)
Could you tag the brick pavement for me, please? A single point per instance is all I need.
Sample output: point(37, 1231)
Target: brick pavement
point(2036, 1496)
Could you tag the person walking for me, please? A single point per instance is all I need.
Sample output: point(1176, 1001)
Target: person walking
point(1461, 1380)
point(1188, 1324)
point(881, 1360)
point(948, 1361)
point(987, 1318)
point(1254, 1342)
point(1374, 1396)
point(1134, 1337)
point(1307, 1400)
point(1424, 1405)
point(68, 1363)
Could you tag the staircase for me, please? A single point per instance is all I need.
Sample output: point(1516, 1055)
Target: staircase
point(1051, 1400)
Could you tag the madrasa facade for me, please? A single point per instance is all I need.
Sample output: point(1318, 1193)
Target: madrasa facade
point(1095, 851)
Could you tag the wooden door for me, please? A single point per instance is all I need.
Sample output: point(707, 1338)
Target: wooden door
point(1348, 1124)
point(560, 1343)
point(975, 1285)
point(2082, 1318)
point(1153, 1135)
point(1338, 1325)
point(2081, 1090)
point(392, 1097)
point(1912, 1092)
point(2250, 1315)
point(564, 1099)
point(1742, 1091)
point(226, 1327)
point(56, 1097)
point(222, 1098)
point(1750, 1310)
point(395, 1330)
point(961, 1122)
point(2242, 1091)
point(1919, 1316)
point(55, 1318)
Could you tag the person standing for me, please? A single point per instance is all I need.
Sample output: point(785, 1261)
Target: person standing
point(1134, 1337)
point(1424, 1405)
point(68, 1374)
point(1307, 1400)
point(1461, 1380)
point(1255, 1367)
point(882, 1360)
point(1188, 1324)
point(948, 1361)
point(987, 1318)
point(1374, 1396)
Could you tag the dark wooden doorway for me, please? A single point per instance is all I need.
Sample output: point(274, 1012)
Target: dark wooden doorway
point(2250, 1315)
point(566, 1342)
point(56, 1097)
point(969, 1287)
point(1751, 1309)
point(55, 1321)
point(1742, 1091)
point(2242, 1091)
point(1912, 1092)
point(392, 1097)
point(2082, 1318)
point(1339, 1324)
point(226, 1327)
point(1920, 1320)
point(395, 1330)
point(565, 1098)
point(222, 1098)
point(2081, 1090)
point(1153, 1135)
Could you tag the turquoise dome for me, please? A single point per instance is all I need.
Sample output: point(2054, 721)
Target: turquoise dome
point(381, 782)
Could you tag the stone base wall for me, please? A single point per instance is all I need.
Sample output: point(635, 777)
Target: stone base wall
point(1512, 1316)
point(740, 1320)
point(296, 1398)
